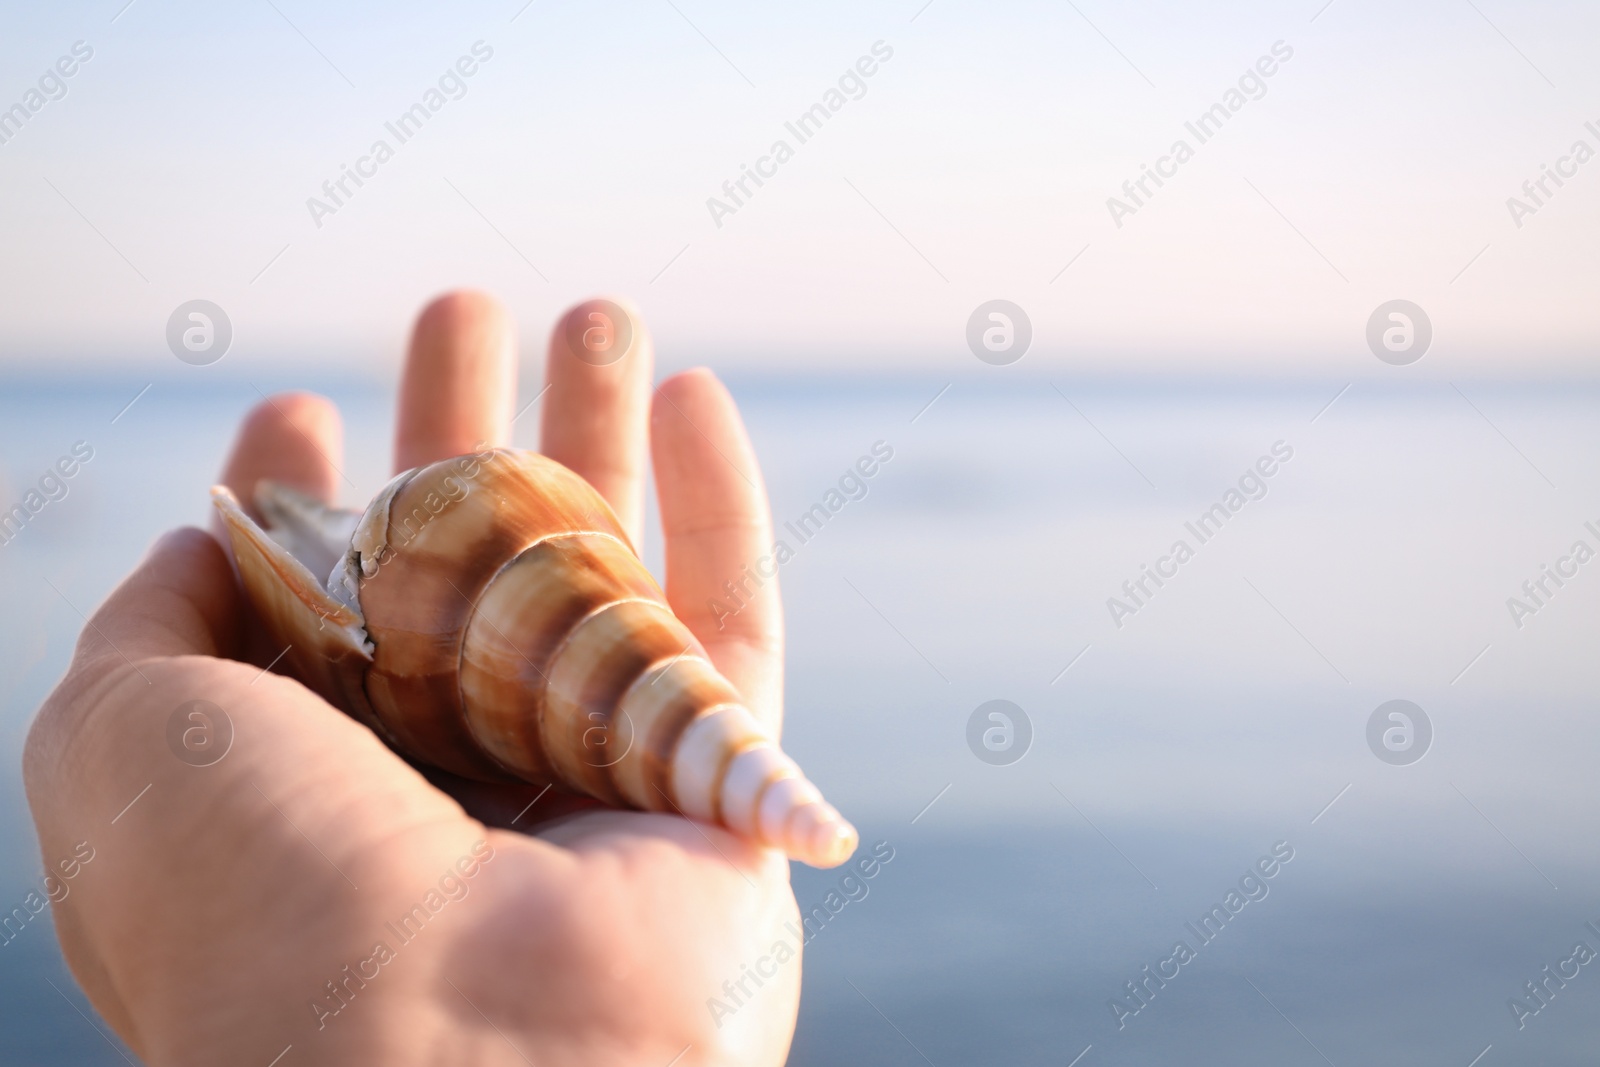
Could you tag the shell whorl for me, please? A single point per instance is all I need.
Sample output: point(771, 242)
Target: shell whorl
point(516, 636)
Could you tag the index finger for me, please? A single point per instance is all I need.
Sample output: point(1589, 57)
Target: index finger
point(598, 370)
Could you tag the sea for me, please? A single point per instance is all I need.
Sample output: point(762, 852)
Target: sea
point(1207, 721)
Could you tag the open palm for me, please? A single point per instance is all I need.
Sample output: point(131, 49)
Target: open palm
point(310, 895)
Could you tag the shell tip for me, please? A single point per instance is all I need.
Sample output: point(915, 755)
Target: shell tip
point(831, 841)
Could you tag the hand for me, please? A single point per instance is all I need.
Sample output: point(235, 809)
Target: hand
point(236, 909)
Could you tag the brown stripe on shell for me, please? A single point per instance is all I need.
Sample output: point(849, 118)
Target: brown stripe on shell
point(601, 658)
point(661, 704)
point(431, 573)
point(522, 620)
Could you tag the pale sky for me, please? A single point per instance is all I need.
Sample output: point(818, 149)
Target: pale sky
point(974, 163)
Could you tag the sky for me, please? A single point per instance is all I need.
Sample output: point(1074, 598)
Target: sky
point(588, 149)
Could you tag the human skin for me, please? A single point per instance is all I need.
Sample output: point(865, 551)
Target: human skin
point(220, 904)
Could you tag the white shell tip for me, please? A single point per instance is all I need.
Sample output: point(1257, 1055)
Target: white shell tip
point(821, 837)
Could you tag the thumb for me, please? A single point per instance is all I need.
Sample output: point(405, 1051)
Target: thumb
point(180, 600)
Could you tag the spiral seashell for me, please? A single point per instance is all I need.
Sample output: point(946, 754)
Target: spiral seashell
point(487, 615)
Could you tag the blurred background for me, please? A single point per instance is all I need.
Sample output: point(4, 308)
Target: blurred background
point(1153, 353)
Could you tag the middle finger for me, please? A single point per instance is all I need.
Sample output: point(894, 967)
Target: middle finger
point(596, 416)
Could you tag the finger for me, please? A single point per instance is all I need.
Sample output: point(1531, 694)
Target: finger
point(459, 382)
point(598, 373)
point(721, 571)
point(181, 600)
point(293, 438)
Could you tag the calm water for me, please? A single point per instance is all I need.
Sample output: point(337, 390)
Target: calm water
point(1225, 715)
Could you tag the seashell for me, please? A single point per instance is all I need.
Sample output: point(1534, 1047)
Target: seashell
point(487, 615)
